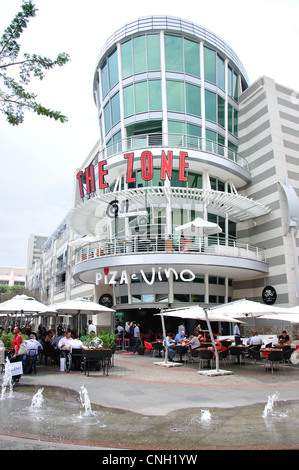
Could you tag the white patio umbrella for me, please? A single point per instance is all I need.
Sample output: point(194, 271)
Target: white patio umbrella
point(199, 226)
point(247, 308)
point(23, 304)
point(80, 305)
point(196, 313)
point(288, 317)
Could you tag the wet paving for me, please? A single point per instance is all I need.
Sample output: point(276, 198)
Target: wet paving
point(61, 417)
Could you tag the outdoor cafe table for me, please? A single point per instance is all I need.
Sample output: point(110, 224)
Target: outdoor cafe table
point(241, 347)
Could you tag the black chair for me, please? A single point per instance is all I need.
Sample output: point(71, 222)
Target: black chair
point(181, 351)
point(205, 355)
point(30, 361)
point(47, 352)
point(275, 356)
point(159, 348)
point(238, 352)
point(194, 354)
point(254, 352)
point(223, 356)
point(287, 352)
point(76, 359)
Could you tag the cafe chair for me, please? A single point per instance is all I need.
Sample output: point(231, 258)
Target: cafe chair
point(158, 348)
point(30, 361)
point(194, 355)
point(205, 355)
point(237, 352)
point(182, 351)
point(287, 352)
point(275, 356)
point(223, 356)
point(254, 352)
point(148, 347)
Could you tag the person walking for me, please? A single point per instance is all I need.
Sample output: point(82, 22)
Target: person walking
point(136, 338)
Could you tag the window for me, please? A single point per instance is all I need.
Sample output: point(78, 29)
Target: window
point(104, 76)
point(141, 101)
point(139, 54)
point(193, 104)
point(129, 100)
point(113, 69)
point(153, 52)
point(127, 59)
point(174, 53)
point(115, 109)
point(221, 111)
point(220, 72)
point(210, 65)
point(155, 98)
point(191, 55)
point(210, 99)
point(175, 96)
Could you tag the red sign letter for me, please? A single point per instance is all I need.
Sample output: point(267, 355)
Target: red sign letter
point(130, 157)
point(183, 165)
point(89, 176)
point(166, 165)
point(79, 177)
point(102, 173)
point(146, 157)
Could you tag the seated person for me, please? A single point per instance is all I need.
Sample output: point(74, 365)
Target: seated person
point(32, 343)
point(76, 343)
point(284, 338)
point(255, 340)
point(170, 343)
point(194, 342)
point(64, 344)
point(180, 337)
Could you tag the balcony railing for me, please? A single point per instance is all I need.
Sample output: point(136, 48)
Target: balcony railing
point(211, 245)
point(147, 141)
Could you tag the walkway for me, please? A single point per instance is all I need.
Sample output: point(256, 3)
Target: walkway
point(135, 384)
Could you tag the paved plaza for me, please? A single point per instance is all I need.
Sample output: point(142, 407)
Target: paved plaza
point(135, 384)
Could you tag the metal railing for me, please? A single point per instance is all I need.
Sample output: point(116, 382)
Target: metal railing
point(147, 141)
point(211, 245)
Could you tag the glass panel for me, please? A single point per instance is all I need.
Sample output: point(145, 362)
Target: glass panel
point(236, 118)
point(153, 52)
point(155, 98)
point(229, 81)
point(220, 72)
point(210, 99)
point(191, 54)
point(127, 59)
point(113, 69)
point(174, 53)
point(107, 117)
point(104, 76)
point(139, 54)
point(230, 119)
point(221, 111)
point(193, 136)
point(141, 97)
point(193, 105)
point(115, 109)
point(129, 100)
point(175, 96)
point(210, 65)
point(235, 86)
point(176, 132)
point(194, 180)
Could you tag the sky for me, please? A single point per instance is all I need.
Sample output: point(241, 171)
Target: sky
point(39, 158)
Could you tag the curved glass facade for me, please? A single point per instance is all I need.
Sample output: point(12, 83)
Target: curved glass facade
point(170, 82)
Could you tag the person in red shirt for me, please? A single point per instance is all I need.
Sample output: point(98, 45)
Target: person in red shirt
point(16, 346)
point(16, 341)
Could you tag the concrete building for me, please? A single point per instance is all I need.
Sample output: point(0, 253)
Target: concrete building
point(182, 136)
point(12, 276)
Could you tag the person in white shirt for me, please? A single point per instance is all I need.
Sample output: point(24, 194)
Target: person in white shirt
point(65, 343)
point(91, 327)
point(76, 343)
point(32, 343)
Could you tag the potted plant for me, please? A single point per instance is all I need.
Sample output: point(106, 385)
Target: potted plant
point(141, 349)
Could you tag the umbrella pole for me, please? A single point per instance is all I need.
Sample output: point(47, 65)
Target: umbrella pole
point(213, 341)
point(164, 337)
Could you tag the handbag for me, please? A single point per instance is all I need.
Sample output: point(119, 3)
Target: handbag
point(22, 350)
